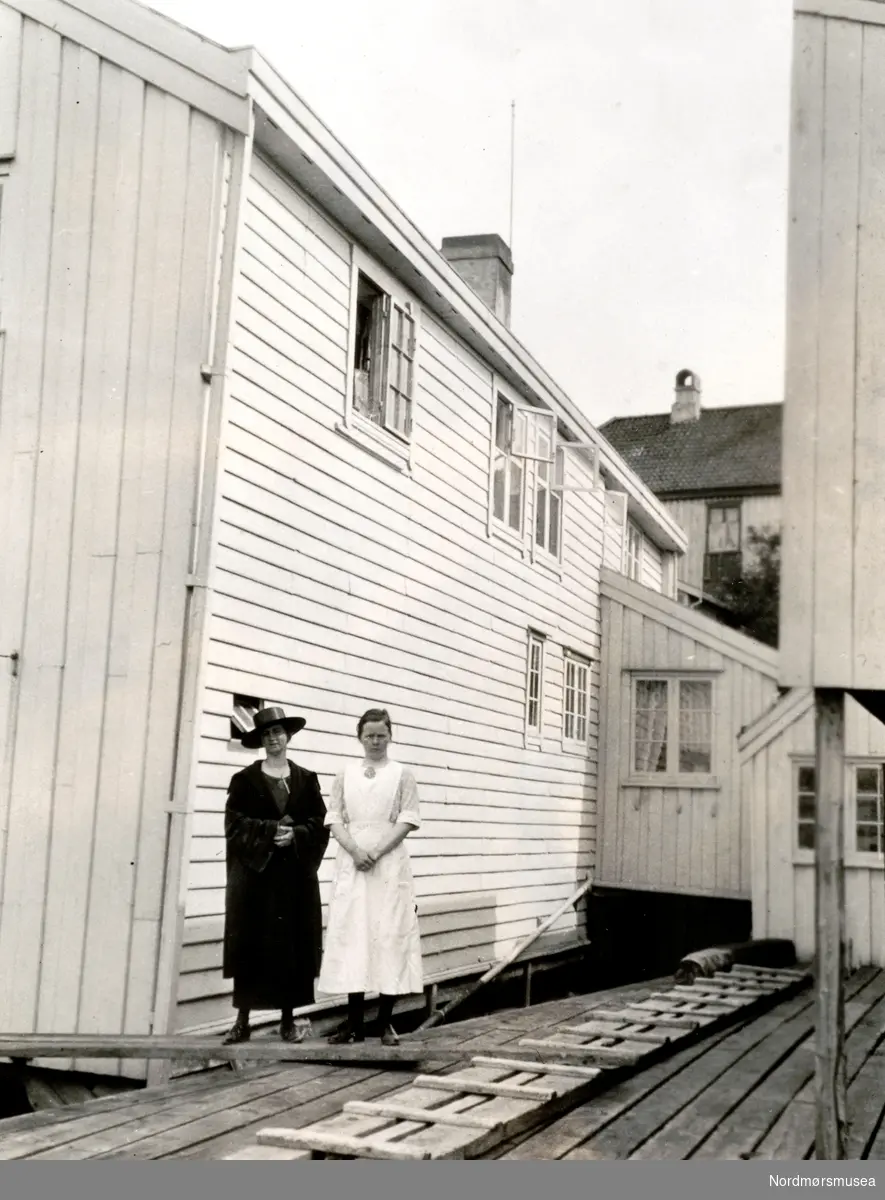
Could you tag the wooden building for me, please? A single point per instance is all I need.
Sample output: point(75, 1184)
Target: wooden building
point(674, 839)
point(260, 442)
point(718, 471)
point(832, 609)
point(778, 783)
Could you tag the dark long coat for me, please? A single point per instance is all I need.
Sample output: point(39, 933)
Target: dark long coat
point(273, 919)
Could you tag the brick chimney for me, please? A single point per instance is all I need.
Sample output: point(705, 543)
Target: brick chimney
point(687, 405)
point(485, 263)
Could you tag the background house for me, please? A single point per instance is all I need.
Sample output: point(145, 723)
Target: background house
point(260, 442)
point(718, 470)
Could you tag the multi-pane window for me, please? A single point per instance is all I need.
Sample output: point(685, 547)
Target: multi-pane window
point(633, 553)
point(534, 707)
point(548, 502)
point(576, 698)
point(722, 562)
point(673, 726)
point(508, 470)
point(866, 787)
point(868, 809)
point(805, 807)
point(383, 359)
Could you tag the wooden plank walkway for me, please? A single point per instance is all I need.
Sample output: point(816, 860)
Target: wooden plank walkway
point(218, 1114)
point(465, 1114)
point(747, 1092)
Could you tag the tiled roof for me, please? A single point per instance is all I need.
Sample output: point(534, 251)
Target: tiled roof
point(724, 448)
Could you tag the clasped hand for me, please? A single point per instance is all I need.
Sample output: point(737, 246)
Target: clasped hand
point(284, 836)
point(363, 860)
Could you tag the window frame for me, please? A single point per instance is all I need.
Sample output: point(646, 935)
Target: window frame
point(673, 778)
point(722, 506)
point(870, 859)
point(632, 530)
point(383, 439)
point(577, 661)
point(554, 497)
point(521, 452)
point(251, 703)
point(534, 734)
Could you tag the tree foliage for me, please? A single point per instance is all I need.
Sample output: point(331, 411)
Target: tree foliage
point(753, 596)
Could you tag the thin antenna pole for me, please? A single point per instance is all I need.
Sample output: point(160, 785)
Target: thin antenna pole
point(512, 163)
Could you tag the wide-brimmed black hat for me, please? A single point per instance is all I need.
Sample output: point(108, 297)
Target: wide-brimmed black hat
point(266, 717)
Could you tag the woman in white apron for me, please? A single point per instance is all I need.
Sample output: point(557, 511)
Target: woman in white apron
point(372, 941)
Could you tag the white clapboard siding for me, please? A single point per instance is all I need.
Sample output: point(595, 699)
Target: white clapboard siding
point(670, 836)
point(109, 220)
point(782, 874)
point(342, 583)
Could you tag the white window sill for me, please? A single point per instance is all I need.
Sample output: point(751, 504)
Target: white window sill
point(532, 741)
point(853, 859)
point(706, 783)
point(569, 747)
point(378, 442)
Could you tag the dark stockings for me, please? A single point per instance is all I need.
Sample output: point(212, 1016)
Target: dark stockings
point(356, 1007)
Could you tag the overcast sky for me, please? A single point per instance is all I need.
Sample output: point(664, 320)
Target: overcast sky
point(651, 165)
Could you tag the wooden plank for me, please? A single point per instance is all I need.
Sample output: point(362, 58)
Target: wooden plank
point(869, 12)
point(142, 61)
point(834, 650)
point(195, 1049)
point(792, 1134)
point(766, 1084)
point(629, 1033)
point(652, 1016)
point(341, 1144)
point(672, 1122)
point(830, 911)
point(463, 1083)
point(558, 1139)
point(566, 1070)
point(869, 498)
point(407, 1112)
point(804, 320)
point(265, 1153)
point(604, 1055)
point(10, 72)
point(100, 1117)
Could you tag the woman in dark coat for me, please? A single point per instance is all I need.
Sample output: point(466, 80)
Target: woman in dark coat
point(276, 839)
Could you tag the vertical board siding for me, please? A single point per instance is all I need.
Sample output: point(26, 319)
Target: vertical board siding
point(675, 839)
point(105, 248)
point(343, 583)
point(762, 513)
point(10, 66)
point(833, 617)
point(783, 884)
point(804, 317)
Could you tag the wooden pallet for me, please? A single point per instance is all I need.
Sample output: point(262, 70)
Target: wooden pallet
point(468, 1112)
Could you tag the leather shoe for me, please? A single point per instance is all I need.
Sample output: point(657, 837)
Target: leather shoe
point(241, 1032)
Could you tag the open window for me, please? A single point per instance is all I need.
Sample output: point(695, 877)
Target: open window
point(383, 358)
point(522, 434)
point(242, 718)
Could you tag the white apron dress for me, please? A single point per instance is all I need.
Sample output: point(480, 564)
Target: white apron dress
point(372, 940)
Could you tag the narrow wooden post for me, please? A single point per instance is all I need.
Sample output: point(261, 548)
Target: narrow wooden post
point(830, 923)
